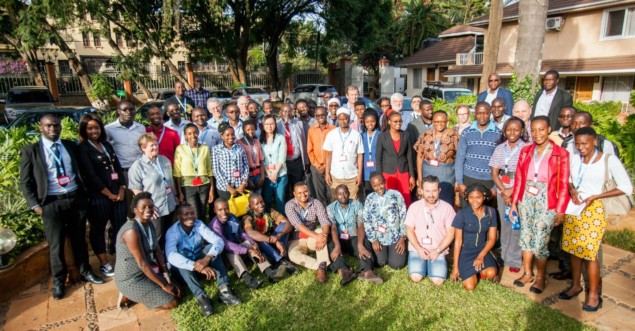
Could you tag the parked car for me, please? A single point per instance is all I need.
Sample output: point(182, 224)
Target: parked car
point(223, 96)
point(310, 92)
point(33, 116)
point(448, 94)
point(21, 99)
point(254, 93)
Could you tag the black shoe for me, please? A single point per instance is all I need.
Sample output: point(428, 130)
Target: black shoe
point(565, 296)
point(89, 276)
point(562, 275)
point(58, 291)
point(347, 276)
point(252, 282)
point(586, 307)
point(205, 304)
point(276, 274)
point(291, 269)
point(227, 297)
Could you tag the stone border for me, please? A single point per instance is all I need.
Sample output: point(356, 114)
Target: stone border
point(30, 268)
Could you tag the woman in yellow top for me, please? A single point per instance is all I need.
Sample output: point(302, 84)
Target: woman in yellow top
point(193, 172)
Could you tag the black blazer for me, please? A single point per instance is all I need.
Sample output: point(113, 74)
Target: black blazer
point(33, 171)
point(95, 168)
point(387, 159)
point(560, 100)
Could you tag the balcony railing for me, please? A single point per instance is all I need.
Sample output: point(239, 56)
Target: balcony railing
point(468, 59)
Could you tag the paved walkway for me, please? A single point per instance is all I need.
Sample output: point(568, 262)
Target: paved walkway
point(93, 307)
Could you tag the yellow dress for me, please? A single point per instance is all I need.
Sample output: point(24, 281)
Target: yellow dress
point(582, 235)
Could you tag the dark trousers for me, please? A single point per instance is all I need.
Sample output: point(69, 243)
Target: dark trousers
point(295, 173)
point(224, 194)
point(270, 250)
point(350, 247)
point(191, 278)
point(555, 250)
point(388, 255)
point(66, 217)
point(322, 191)
point(161, 226)
point(198, 196)
point(489, 184)
point(100, 211)
point(339, 263)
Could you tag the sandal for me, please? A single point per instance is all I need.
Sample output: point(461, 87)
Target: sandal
point(519, 283)
point(564, 295)
point(536, 290)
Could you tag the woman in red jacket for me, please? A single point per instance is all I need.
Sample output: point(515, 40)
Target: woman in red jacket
point(540, 198)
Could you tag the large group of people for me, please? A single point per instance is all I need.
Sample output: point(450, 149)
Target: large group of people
point(385, 186)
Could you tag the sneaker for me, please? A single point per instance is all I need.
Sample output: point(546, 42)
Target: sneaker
point(205, 305)
point(227, 297)
point(370, 277)
point(252, 282)
point(291, 269)
point(107, 270)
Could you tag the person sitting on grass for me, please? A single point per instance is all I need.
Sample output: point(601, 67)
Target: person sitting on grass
point(430, 233)
point(189, 257)
point(347, 231)
point(238, 243)
point(474, 237)
point(270, 230)
point(384, 226)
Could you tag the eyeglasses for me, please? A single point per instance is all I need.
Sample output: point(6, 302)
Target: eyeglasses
point(494, 80)
point(565, 116)
point(126, 110)
point(461, 114)
point(320, 115)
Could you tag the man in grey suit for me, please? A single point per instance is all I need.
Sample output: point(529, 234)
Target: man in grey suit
point(550, 99)
point(50, 182)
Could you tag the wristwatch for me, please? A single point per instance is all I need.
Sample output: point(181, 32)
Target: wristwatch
point(438, 251)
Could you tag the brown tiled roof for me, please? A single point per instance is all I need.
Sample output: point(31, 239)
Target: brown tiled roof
point(443, 51)
point(593, 65)
point(462, 29)
point(510, 13)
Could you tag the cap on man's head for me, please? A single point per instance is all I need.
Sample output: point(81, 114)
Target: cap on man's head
point(343, 110)
point(334, 100)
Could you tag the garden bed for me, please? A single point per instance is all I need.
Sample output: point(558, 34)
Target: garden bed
point(29, 268)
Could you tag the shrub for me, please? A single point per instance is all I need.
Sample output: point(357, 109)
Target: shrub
point(524, 89)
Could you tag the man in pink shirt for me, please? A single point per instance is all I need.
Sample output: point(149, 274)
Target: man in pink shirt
point(430, 233)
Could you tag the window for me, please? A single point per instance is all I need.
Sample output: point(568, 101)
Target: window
point(130, 42)
point(85, 39)
point(97, 40)
point(619, 23)
point(181, 66)
point(119, 39)
point(64, 68)
point(417, 77)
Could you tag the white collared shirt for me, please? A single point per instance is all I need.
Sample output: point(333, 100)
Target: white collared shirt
point(543, 104)
point(178, 128)
point(54, 188)
point(491, 96)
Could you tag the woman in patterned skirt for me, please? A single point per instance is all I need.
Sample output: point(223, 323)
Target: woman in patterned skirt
point(582, 235)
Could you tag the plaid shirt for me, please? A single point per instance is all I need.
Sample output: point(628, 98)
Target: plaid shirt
point(200, 98)
point(310, 217)
point(225, 161)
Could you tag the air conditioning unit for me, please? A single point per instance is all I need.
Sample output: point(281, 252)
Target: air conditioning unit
point(554, 23)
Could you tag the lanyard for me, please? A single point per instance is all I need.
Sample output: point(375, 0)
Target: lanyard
point(159, 170)
point(253, 150)
point(369, 140)
point(161, 136)
point(343, 139)
point(509, 154)
point(437, 144)
point(147, 235)
point(194, 158)
point(234, 154)
point(538, 161)
point(182, 105)
point(582, 169)
point(304, 213)
point(344, 217)
point(105, 153)
point(59, 161)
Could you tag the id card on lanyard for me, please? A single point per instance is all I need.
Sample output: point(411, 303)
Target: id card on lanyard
point(197, 181)
point(343, 139)
point(234, 154)
point(114, 176)
point(369, 141)
point(62, 178)
point(157, 167)
point(437, 149)
point(508, 156)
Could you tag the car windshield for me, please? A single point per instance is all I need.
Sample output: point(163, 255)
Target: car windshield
point(221, 94)
point(323, 89)
point(30, 119)
point(255, 90)
point(30, 96)
point(450, 96)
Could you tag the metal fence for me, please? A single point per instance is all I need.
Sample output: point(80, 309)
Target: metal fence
point(309, 77)
point(9, 81)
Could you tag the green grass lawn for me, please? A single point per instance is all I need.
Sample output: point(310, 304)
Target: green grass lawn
point(624, 239)
point(300, 303)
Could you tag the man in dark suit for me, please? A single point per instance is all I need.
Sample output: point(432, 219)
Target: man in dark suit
point(495, 91)
point(550, 99)
point(50, 182)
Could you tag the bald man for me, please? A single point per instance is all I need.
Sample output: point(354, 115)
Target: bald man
point(522, 110)
point(495, 91)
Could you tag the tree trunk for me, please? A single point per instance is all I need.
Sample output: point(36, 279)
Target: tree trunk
point(175, 71)
point(76, 65)
point(118, 51)
point(241, 68)
point(492, 41)
point(232, 70)
point(272, 69)
point(531, 37)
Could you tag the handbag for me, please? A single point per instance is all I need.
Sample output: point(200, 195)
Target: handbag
point(238, 204)
point(619, 205)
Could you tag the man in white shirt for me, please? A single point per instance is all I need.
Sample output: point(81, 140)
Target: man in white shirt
point(550, 99)
point(344, 154)
point(175, 123)
point(216, 110)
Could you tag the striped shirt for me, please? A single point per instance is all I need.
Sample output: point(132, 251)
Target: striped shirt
point(475, 151)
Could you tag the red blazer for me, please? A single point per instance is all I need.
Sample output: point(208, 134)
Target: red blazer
point(558, 177)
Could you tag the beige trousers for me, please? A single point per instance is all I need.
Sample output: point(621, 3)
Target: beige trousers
point(350, 183)
point(299, 252)
point(239, 265)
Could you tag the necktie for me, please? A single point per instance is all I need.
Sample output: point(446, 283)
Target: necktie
point(287, 137)
point(59, 162)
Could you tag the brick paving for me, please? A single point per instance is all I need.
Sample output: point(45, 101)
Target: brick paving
point(93, 307)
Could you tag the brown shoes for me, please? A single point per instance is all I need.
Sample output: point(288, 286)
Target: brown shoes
point(370, 277)
point(321, 273)
point(347, 276)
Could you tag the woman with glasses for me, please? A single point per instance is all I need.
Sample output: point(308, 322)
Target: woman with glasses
point(274, 148)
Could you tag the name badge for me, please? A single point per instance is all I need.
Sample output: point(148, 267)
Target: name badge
point(155, 269)
point(168, 189)
point(533, 190)
point(434, 163)
point(197, 181)
point(114, 176)
point(271, 166)
point(344, 235)
point(63, 180)
point(370, 164)
point(381, 229)
point(343, 158)
point(506, 179)
point(426, 241)
point(236, 174)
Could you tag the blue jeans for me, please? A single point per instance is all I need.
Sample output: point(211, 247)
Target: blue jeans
point(270, 250)
point(275, 191)
point(436, 269)
point(254, 180)
point(191, 277)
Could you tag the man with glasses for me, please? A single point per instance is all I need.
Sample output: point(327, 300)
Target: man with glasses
point(123, 134)
point(495, 91)
point(214, 107)
point(232, 114)
point(333, 106)
point(198, 93)
point(550, 99)
point(565, 118)
point(324, 101)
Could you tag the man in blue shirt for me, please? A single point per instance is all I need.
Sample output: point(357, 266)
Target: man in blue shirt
point(185, 252)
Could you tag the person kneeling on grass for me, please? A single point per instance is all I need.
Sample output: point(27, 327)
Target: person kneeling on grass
point(475, 235)
point(384, 214)
point(189, 257)
point(270, 230)
point(347, 231)
point(238, 243)
point(430, 233)
point(312, 230)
